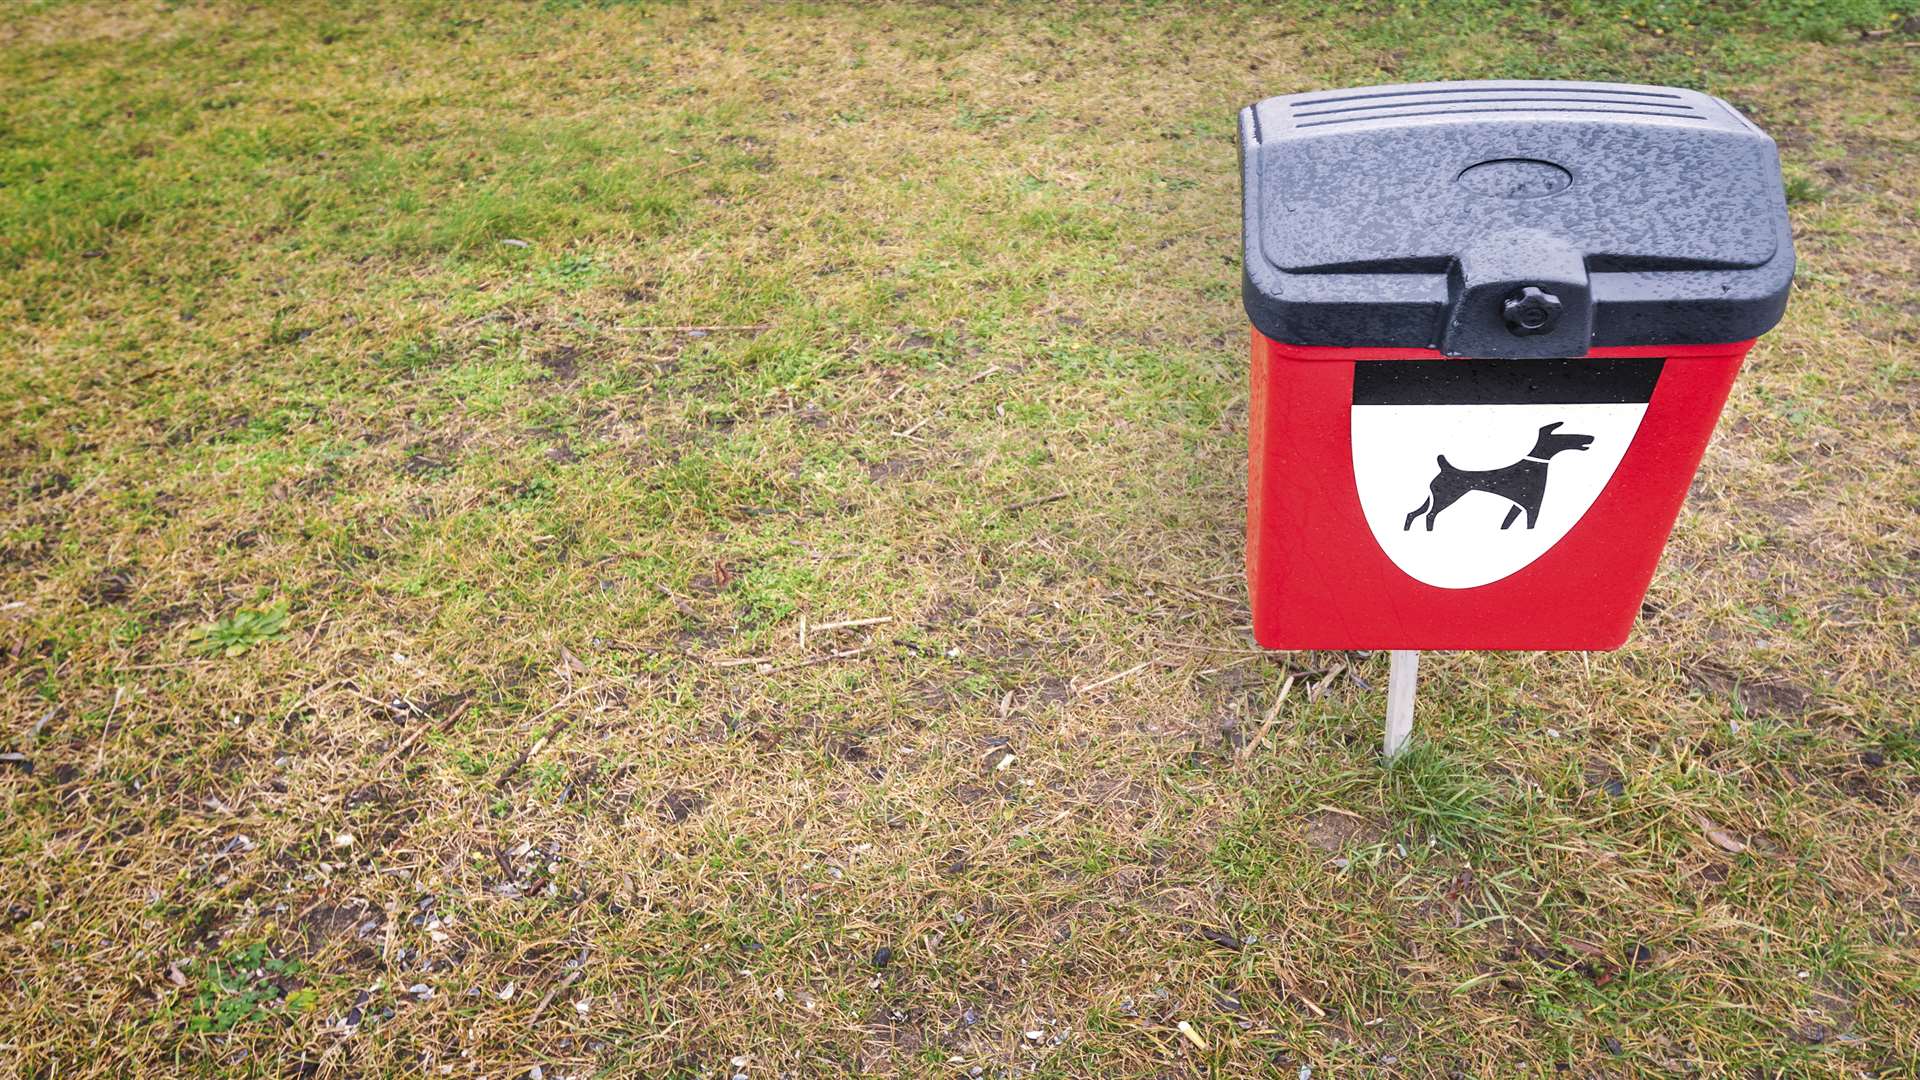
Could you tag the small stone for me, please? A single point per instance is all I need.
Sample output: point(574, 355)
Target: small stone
point(882, 956)
point(344, 840)
point(1221, 938)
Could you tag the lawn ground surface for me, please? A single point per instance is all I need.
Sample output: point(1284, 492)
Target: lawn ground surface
point(650, 539)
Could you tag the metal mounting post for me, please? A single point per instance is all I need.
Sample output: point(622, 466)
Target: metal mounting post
point(1403, 672)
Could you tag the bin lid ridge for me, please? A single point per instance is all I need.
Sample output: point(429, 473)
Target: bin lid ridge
point(1670, 194)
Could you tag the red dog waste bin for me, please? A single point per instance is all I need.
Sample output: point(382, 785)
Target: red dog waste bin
point(1493, 326)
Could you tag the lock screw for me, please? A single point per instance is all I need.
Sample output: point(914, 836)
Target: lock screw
point(1530, 311)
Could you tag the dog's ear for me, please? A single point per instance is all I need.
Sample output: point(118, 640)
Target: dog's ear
point(1548, 430)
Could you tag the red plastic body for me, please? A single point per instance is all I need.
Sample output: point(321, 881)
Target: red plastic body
point(1319, 580)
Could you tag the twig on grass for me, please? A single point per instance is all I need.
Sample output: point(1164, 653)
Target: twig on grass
point(539, 744)
point(571, 978)
point(1092, 686)
point(135, 380)
point(521, 761)
point(309, 909)
point(844, 624)
point(1320, 688)
point(459, 709)
point(309, 696)
point(713, 328)
point(106, 728)
point(767, 667)
point(1266, 722)
point(374, 701)
point(1228, 666)
point(1190, 589)
point(1041, 501)
point(1231, 650)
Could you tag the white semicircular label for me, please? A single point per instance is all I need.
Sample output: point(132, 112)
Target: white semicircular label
point(1469, 470)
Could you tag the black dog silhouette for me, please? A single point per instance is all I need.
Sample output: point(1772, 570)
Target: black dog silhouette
point(1523, 483)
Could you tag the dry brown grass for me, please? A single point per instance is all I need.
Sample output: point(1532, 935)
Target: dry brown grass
point(265, 342)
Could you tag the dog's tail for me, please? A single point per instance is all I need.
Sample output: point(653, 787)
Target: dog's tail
point(1417, 511)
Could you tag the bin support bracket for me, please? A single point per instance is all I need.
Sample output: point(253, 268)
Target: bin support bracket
point(1403, 672)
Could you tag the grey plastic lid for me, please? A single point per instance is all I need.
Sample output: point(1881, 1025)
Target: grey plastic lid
point(1511, 219)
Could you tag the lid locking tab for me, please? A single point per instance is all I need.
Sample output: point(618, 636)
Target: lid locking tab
point(1531, 311)
point(1518, 294)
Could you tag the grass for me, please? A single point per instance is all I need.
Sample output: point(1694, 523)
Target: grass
point(420, 645)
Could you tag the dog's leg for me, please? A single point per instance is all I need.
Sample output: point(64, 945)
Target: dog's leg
point(1443, 496)
point(1417, 511)
point(1511, 516)
point(1533, 514)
